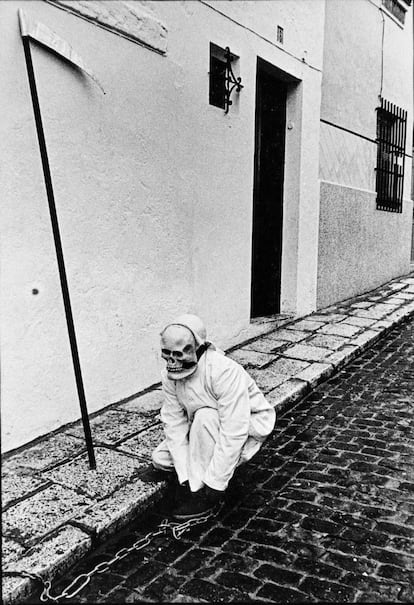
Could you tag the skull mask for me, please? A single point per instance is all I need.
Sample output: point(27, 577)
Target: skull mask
point(178, 348)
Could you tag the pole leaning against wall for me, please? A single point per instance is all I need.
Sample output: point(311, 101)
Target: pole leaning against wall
point(47, 38)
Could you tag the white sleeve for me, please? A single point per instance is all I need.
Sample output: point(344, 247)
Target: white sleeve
point(231, 389)
point(176, 427)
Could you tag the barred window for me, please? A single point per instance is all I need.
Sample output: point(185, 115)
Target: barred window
point(397, 8)
point(391, 135)
point(217, 75)
point(222, 78)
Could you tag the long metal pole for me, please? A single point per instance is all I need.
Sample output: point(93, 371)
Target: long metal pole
point(59, 251)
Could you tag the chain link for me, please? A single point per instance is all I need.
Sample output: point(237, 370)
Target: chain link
point(79, 583)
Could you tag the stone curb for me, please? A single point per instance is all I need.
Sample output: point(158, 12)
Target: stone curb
point(288, 365)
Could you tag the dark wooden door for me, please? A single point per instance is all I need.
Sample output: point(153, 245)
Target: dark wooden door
point(268, 193)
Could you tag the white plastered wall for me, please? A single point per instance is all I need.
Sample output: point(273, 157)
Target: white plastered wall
point(360, 247)
point(154, 196)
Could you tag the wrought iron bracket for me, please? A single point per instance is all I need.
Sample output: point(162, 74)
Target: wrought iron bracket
point(231, 82)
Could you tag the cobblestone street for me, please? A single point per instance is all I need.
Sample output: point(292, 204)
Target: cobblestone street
point(325, 512)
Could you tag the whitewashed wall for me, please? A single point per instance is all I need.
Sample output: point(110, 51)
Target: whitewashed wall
point(361, 247)
point(154, 195)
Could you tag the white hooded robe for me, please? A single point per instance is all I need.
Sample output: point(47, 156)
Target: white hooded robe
point(244, 417)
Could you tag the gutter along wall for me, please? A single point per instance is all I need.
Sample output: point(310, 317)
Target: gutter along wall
point(153, 189)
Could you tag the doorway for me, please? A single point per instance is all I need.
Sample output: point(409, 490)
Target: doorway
point(270, 124)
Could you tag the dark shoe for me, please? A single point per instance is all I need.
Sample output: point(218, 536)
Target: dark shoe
point(182, 492)
point(155, 475)
point(198, 505)
point(213, 495)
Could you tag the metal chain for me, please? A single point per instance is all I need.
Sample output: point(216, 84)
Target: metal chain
point(79, 583)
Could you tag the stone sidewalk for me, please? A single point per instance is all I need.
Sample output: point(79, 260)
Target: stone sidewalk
point(56, 510)
point(323, 513)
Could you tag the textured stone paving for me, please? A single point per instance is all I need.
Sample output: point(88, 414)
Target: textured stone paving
point(324, 512)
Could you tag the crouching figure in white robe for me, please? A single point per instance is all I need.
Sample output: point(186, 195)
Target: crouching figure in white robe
point(214, 416)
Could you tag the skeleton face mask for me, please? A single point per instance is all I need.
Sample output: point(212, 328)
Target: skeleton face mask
point(178, 348)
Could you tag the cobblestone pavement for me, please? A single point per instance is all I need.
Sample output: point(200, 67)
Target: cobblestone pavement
point(325, 512)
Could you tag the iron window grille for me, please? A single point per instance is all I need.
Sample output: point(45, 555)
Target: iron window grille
point(397, 8)
point(217, 75)
point(391, 137)
point(222, 78)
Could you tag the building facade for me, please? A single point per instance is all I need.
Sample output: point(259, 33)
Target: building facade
point(367, 56)
point(170, 200)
